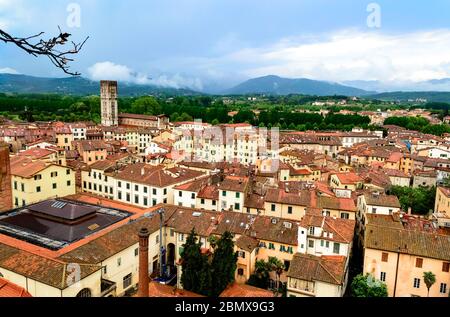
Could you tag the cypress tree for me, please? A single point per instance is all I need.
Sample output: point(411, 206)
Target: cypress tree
point(224, 264)
point(196, 272)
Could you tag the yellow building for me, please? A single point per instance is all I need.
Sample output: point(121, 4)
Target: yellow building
point(442, 203)
point(399, 250)
point(283, 203)
point(64, 137)
point(35, 181)
point(312, 276)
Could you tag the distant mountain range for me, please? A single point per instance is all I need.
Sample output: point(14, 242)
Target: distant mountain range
point(275, 85)
point(24, 84)
point(390, 86)
point(270, 85)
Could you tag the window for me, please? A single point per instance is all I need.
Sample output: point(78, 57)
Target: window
point(68, 172)
point(287, 264)
point(15, 185)
point(242, 254)
point(336, 248)
point(145, 189)
point(271, 246)
point(443, 288)
point(180, 194)
point(119, 195)
point(224, 193)
point(119, 184)
point(327, 244)
point(416, 283)
point(119, 261)
point(105, 270)
point(154, 191)
point(273, 207)
point(136, 252)
point(136, 199)
point(38, 189)
point(311, 230)
point(311, 243)
point(68, 183)
point(238, 195)
point(136, 187)
point(240, 272)
point(290, 210)
point(181, 237)
point(157, 239)
point(165, 191)
point(145, 201)
point(345, 215)
point(419, 262)
point(213, 202)
point(237, 206)
point(127, 280)
point(383, 276)
point(86, 292)
point(128, 185)
point(22, 187)
point(54, 186)
point(445, 267)
point(384, 257)
point(193, 196)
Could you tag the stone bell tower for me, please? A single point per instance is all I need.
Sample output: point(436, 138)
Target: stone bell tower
point(109, 106)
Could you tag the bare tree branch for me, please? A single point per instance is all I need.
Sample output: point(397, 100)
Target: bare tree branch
point(49, 48)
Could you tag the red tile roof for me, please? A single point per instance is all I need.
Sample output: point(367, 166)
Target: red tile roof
point(243, 290)
point(8, 289)
point(159, 290)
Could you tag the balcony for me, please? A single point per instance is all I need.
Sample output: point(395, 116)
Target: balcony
point(107, 288)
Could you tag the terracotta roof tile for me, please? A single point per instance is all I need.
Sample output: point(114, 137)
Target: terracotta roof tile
point(8, 289)
point(328, 269)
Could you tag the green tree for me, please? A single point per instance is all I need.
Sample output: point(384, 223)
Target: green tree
point(196, 273)
point(260, 278)
point(421, 200)
point(368, 286)
point(224, 263)
point(429, 278)
point(276, 266)
point(146, 105)
point(215, 122)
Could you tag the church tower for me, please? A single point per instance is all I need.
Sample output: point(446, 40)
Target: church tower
point(109, 107)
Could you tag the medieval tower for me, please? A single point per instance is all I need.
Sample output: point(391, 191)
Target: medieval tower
point(109, 107)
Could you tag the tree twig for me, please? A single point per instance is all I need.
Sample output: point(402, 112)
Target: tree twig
point(50, 48)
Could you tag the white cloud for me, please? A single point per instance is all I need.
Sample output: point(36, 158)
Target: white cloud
point(8, 70)
point(350, 55)
point(111, 71)
point(13, 13)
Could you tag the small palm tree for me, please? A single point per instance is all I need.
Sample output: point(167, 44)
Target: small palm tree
point(276, 266)
point(429, 278)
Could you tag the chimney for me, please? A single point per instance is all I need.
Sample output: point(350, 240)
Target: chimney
point(143, 263)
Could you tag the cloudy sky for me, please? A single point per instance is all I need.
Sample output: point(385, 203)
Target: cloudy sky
point(198, 43)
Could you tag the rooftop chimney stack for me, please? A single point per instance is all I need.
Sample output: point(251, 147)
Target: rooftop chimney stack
point(143, 263)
